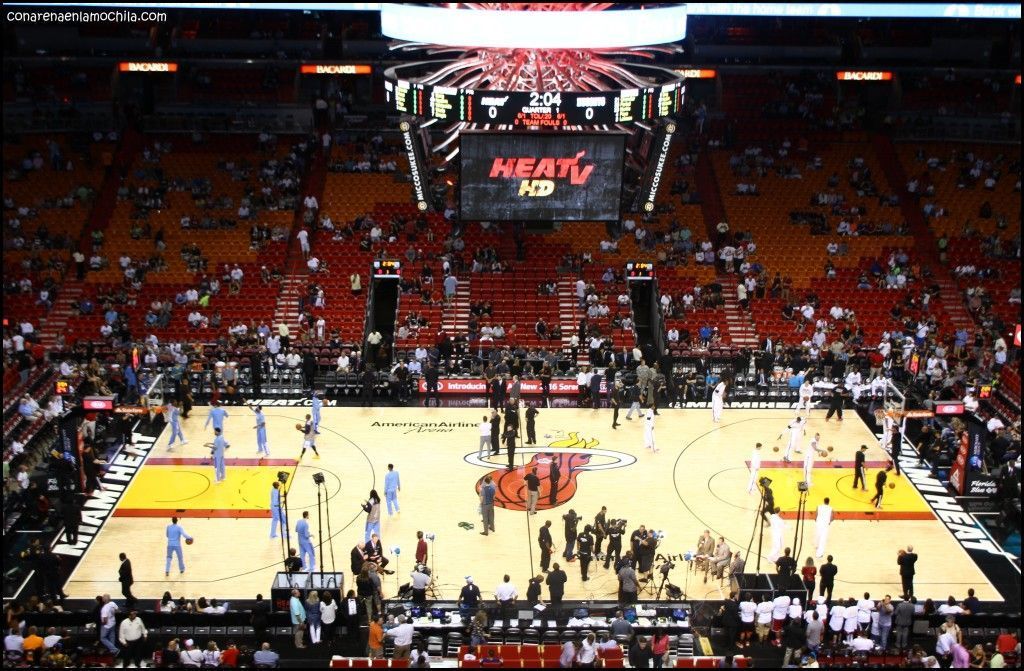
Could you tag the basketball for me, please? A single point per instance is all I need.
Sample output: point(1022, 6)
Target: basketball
point(830, 448)
point(298, 427)
point(189, 541)
point(892, 485)
point(775, 449)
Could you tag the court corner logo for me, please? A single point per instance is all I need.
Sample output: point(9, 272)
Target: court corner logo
point(567, 455)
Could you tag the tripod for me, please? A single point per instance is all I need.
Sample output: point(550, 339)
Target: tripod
point(801, 508)
point(432, 591)
point(766, 495)
point(664, 569)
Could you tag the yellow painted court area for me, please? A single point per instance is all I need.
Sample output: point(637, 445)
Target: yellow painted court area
point(900, 501)
point(189, 487)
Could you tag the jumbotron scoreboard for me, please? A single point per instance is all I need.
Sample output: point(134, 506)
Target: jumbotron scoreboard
point(547, 109)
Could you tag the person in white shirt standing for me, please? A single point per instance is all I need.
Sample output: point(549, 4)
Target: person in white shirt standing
point(132, 634)
point(718, 402)
point(796, 432)
point(755, 466)
point(403, 638)
point(649, 430)
point(809, 461)
point(865, 607)
point(806, 393)
point(850, 620)
point(303, 237)
point(822, 521)
point(108, 614)
point(485, 437)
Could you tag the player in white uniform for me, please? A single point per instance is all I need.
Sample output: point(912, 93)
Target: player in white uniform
point(812, 450)
point(797, 429)
point(888, 427)
point(806, 392)
point(649, 430)
point(717, 402)
point(755, 466)
point(778, 530)
point(822, 520)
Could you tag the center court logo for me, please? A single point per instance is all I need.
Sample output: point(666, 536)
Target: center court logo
point(573, 456)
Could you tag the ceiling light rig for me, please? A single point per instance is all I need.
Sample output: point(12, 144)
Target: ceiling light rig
point(531, 66)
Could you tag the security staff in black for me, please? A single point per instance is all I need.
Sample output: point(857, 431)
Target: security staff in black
point(614, 544)
point(880, 479)
point(369, 379)
point(836, 402)
point(512, 416)
point(585, 543)
point(858, 467)
point(547, 545)
point(600, 530)
point(431, 376)
point(510, 444)
point(616, 401)
point(827, 574)
point(554, 478)
point(531, 425)
point(895, 447)
point(572, 521)
point(595, 390)
point(498, 391)
point(658, 387)
point(495, 433)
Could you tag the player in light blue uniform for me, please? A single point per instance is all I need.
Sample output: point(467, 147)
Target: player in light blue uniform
point(174, 535)
point(217, 415)
point(317, 404)
point(174, 419)
point(392, 484)
point(261, 432)
point(277, 518)
point(306, 551)
point(219, 445)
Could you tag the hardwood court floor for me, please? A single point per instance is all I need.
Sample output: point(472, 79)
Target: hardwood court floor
point(697, 480)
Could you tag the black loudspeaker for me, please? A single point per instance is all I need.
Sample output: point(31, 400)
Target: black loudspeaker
point(756, 584)
point(793, 588)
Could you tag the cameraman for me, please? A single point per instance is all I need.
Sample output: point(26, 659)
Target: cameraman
point(572, 520)
point(615, 531)
point(420, 582)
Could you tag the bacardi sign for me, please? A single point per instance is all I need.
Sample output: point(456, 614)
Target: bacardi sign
point(137, 66)
point(863, 76)
point(335, 69)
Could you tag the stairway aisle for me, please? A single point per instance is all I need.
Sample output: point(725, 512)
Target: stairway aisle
point(711, 205)
point(742, 330)
point(287, 309)
point(926, 247)
point(56, 320)
point(455, 316)
point(569, 315)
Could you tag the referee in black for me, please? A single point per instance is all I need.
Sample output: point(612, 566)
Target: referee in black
point(836, 403)
point(880, 480)
point(895, 448)
point(431, 376)
point(616, 401)
point(531, 425)
point(858, 467)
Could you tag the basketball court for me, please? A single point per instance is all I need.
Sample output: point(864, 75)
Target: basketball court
point(697, 480)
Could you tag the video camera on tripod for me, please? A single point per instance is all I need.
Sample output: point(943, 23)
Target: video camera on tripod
point(619, 525)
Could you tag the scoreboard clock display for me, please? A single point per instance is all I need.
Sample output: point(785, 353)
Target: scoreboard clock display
point(387, 268)
point(639, 270)
point(525, 109)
